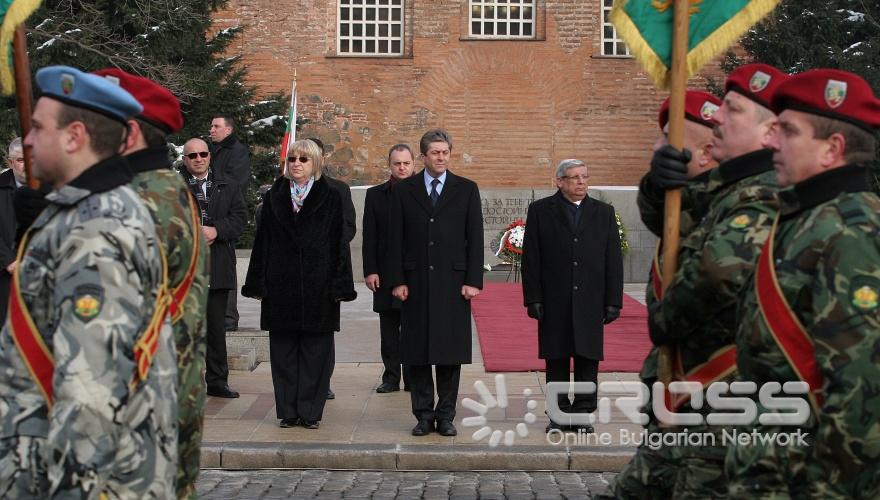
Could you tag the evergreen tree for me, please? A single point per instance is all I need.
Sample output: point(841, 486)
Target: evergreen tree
point(806, 34)
point(168, 41)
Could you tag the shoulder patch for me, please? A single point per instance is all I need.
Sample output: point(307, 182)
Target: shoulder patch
point(741, 221)
point(864, 292)
point(87, 301)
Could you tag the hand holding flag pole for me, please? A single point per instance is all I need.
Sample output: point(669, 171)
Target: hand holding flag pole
point(671, 46)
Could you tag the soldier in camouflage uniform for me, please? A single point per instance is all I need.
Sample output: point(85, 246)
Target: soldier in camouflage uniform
point(177, 222)
point(83, 414)
point(652, 472)
point(697, 314)
point(810, 313)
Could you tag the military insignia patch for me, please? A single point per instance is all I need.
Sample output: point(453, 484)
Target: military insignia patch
point(67, 82)
point(708, 110)
point(87, 301)
point(741, 221)
point(759, 81)
point(835, 93)
point(865, 298)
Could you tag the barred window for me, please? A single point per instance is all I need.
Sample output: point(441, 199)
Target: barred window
point(370, 28)
point(612, 45)
point(502, 18)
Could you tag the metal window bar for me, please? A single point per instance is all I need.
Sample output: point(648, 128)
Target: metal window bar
point(370, 28)
point(502, 19)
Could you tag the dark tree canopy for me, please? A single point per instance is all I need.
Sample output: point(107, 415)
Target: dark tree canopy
point(171, 42)
point(806, 34)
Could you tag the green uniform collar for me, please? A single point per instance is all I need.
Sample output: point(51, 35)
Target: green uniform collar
point(824, 187)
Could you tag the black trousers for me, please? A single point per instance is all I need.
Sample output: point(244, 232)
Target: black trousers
point(421, 386)
point(5, 283)
point(585, 370)
point(389, 330)
point(301, 367)
point(232, 306)
point(216, 369)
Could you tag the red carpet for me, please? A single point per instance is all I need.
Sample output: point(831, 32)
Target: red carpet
point(509, 338)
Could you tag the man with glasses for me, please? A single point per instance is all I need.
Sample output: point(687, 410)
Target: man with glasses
point(223, 217)
point(572, 270)
point(10, 180)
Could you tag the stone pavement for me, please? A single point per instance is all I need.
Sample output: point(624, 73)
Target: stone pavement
point(365, 430)
point(222, 485)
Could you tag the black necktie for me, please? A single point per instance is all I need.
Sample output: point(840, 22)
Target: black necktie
point(434, 194)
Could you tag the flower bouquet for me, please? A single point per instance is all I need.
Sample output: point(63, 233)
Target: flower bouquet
point(510, 244)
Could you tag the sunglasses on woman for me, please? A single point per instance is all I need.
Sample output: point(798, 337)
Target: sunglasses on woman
point(193, 156)
point(302, 159)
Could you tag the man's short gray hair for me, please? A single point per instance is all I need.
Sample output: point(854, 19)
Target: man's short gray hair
point(564, 165)
point(14, 145)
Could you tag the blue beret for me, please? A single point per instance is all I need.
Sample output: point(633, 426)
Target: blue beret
point(83, 90)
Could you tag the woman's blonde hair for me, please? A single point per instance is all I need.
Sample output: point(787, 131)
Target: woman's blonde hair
point(311, 151)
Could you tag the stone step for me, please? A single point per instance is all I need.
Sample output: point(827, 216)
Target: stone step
point(242, 358)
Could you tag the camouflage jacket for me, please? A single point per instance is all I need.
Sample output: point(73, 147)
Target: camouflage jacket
point(167, 198)
point(698, 309)
point(827, 260)
point(90, 277)
point(695, 202)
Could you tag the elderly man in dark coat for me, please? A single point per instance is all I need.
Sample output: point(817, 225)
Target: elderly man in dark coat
point(572, 272)
point(435, 266)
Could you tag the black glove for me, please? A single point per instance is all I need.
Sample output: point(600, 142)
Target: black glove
point(536, 311)
point(28, 203)
point(656, 332)
point(611, 313)
point(669, 167)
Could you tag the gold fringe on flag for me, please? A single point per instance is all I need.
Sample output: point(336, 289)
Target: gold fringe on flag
point(720, 39)
point(17, 13)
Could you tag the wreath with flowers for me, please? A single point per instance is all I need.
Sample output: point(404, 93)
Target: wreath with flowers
point(510, 240)
point(510, 243)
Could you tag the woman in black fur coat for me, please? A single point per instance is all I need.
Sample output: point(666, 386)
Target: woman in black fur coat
point(299, 271)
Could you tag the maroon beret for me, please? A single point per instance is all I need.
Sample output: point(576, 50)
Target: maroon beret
point(833, 93)
point(756, 81)
point(161, 108)
point(699, 107)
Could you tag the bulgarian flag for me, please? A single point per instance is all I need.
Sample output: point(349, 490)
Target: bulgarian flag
point(12, 14)
point(290, 132)
point(647, 26)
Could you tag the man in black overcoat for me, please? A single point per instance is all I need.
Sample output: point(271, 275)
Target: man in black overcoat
point(10, 180)
point(435, 267)
point(223, 217)
point(375, 246)
point(572, 275)
point(230, 159)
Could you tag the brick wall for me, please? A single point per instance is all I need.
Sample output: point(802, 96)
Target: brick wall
point(514, 108)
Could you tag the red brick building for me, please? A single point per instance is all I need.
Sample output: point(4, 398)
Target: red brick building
point(520, 84)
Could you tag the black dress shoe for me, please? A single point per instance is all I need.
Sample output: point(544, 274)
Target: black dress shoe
point(423, 428)
point(331, 394)
point(386, 388)
point(287, 423)
point(406, 388)
point(222, 392)
point(445, 428)
point(311, 424)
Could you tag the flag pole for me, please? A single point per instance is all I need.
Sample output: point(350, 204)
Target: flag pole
point(672, 208)
point(23, 97)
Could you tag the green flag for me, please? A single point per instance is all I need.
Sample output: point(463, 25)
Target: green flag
point(12, 14)
point(646, 26)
